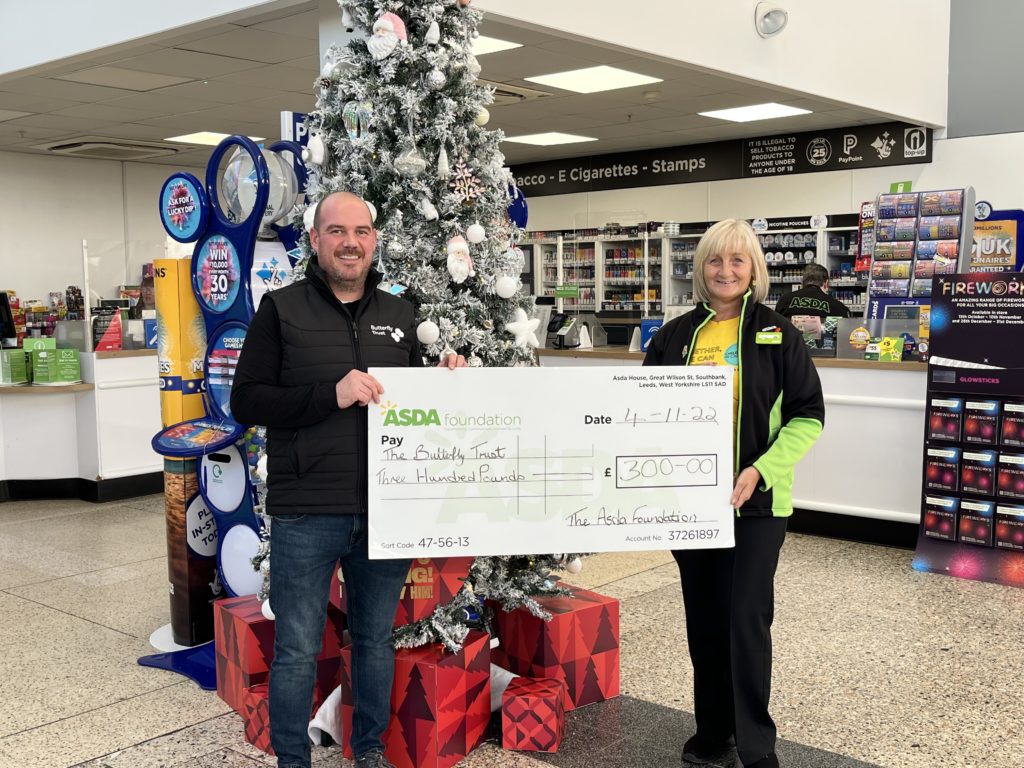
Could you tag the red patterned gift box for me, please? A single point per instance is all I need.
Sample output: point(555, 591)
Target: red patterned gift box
point(244, 641)
point(579, 645)
point(440, 703)
point(430, 582)
point(256, 714)
point(533, 714)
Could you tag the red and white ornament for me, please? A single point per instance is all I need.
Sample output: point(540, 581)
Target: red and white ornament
point(460, 263)
point(388, 32)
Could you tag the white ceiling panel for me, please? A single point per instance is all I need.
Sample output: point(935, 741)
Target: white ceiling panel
point(189, 64)
point(175, 38)
point(29, 102)
point(58, 123)
point(305, 25)
point(107, 112)
point(217, 91)
point(119, 77)
point(162, 103)
point(62, 89)
point(278, 78)
point(10, 114)
point(255, 44)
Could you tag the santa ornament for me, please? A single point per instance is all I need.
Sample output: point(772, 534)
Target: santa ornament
point(388, 32)
point(460, 263)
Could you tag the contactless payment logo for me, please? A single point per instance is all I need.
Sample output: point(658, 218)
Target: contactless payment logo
point(408, 417)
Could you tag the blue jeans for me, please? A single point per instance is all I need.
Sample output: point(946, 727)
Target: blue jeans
point(304, 553)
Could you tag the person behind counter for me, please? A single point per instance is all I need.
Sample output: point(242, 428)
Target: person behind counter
point(812, 298)
point(778, 413)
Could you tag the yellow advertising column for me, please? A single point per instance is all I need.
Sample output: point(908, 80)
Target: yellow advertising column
point(191, 534)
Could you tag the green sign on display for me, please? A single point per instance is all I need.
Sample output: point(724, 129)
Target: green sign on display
point(567, 291)
point(899, 187)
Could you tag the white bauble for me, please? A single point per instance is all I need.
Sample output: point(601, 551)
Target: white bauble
point(474, 362)
point(428, 332)
point(473, 66)
point(574, 566)
point(435, 79)
point(506, 286)
point(268, 614)
point(265, 566)
point(482, 116)
point(314, 152)
point(475, 233)
point(307, 223)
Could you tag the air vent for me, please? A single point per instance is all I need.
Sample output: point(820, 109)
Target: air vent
point(505, 94)
point(99, 148)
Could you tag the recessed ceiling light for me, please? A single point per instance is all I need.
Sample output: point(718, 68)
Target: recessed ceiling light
point(549, 139)
point(755, 112)
point(207, 138)
point(484, 44)
point(594, 79)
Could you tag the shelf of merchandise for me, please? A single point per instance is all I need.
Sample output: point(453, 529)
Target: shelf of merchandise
point(678, 288)
point(840, 257)
point(630, 263)
point(787, 252)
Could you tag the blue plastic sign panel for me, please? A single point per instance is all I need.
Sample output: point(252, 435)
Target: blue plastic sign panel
point(197, 437)
point(219, 369)
point(216, 274)
point(183, 209)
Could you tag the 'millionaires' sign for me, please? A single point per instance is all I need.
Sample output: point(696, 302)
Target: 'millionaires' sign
point(863, 146)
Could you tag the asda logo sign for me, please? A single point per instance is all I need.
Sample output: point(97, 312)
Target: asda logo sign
point(409, 417)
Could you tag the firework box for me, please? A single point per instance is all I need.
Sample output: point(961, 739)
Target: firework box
point(1010, 477)
point(945, 416)
point(430, 581)
point(440, 703)
point(1010, 527)
point(533, 714)
point(256, 714)
point(1012, 429)
point(978, 472)
point(981, 421)
point(942, 469)
point(940, 517)
point(13, 367)
point(579, 645)
point(55, 366)
point(181, 342)
point(245, 649)
point(976, 518)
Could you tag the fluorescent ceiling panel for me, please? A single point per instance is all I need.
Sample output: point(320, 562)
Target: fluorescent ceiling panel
point(484, 44)
point(755, 112)
point(549, 139)
point(594, 79)
point(207, 138)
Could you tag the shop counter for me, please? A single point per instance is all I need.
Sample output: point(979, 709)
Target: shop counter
point(83, 438)
point(868, 461)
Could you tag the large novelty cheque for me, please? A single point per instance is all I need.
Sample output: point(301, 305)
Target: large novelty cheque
point(498, 461)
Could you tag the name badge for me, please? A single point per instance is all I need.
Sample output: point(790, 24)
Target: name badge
point(768, 337)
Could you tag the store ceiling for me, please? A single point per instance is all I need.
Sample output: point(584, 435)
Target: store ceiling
point(237, 77)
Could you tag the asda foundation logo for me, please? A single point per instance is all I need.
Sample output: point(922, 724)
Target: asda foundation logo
point(408, 417)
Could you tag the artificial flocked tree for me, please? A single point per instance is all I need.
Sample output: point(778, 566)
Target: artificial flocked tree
point(400, 120)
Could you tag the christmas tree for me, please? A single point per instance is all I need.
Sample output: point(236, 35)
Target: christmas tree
point(400, 120)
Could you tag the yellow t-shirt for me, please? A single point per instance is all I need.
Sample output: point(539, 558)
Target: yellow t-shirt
point(717, 344)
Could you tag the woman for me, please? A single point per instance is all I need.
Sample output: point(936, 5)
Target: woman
point(778, 413)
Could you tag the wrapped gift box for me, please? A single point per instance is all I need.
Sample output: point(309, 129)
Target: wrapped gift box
point(430, 582)
point(440, 703)
point(533, 714)
point(579, 645)
point(244, 642)
point(256, 714)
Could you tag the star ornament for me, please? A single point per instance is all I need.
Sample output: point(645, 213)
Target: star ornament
point(524, 328)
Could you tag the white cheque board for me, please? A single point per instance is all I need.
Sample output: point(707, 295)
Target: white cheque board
point(501, 461)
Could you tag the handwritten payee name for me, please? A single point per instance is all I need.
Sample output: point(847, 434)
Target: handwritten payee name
point(641, 515)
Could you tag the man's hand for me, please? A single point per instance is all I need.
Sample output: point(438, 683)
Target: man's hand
point(746, 482)
point(452, 361)
point(358, 387)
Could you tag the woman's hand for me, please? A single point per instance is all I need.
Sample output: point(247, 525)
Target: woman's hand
point(746, 482)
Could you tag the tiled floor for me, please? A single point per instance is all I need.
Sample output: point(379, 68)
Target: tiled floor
point(875, 664)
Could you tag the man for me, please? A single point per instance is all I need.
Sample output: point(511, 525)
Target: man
point(302, 374)
point(812, 298)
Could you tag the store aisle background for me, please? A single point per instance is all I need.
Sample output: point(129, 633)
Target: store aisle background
point(874, 662)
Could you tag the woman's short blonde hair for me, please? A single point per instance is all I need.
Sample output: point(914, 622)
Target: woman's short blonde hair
point(729, 236)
